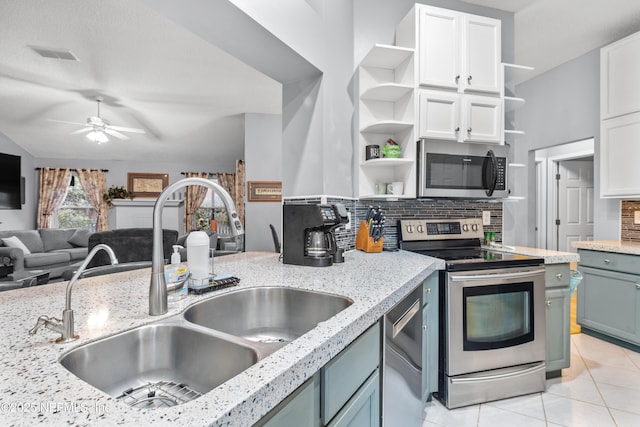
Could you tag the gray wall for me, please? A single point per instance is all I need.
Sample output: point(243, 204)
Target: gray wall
point(562, 105)
point(263, 144)
point(25, 218)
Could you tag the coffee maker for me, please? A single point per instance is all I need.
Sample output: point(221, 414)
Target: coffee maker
point(309, 234)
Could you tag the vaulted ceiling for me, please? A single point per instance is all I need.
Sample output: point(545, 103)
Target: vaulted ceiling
point(187, 94)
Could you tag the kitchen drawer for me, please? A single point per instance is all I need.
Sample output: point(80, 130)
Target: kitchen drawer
point(556, 275)
point(344, 374)
point(623, 263)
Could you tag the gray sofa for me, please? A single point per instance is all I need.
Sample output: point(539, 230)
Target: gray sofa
point(53, 250)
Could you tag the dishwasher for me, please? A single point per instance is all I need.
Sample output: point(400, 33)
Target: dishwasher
point(402, 372)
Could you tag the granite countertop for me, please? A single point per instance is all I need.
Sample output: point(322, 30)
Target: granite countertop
point(619, 246)
point(549, 256)
point(37, 389)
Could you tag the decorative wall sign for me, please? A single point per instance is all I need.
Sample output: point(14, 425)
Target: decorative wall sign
point(146, 184)
point(265, 191)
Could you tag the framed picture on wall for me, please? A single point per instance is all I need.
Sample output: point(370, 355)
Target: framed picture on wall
point(146, 184)
point(264, 191)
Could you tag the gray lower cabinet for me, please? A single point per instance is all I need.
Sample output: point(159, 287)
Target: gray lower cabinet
point(363, 409)
point(609, 296)
point(557, 320)
point(300, 408)
point(345, 392)
point(430, 337)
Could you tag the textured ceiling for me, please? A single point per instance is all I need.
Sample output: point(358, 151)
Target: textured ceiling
point(184, 92)
point(187, 94)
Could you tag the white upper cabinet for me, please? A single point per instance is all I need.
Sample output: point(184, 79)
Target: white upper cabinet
point(483, 119)
point(620, 118)
point(462, 118)
point(455, 50)
point(482, 54)
point(620, 77)
point(440, 52)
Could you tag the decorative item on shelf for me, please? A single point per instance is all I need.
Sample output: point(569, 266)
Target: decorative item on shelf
point(391, 149)
point(115, 193)
point(372, 152)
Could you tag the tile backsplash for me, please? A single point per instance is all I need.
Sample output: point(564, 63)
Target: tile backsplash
point(628, 230)
point(413, 208)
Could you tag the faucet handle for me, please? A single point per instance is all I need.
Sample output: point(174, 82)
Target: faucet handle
point(45, 321)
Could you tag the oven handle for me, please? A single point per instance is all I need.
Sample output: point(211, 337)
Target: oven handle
point(399, 325)
point(517, 275)
point(527, 371)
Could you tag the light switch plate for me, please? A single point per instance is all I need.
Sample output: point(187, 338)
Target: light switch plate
point(636, 217)
point(486, 217)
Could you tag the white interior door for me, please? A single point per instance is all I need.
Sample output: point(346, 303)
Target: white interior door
point(575, 202)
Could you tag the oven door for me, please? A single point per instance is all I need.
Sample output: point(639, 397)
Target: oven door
point(462, 170)
point(495, 319)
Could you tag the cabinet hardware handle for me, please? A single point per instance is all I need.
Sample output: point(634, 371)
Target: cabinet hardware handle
point(469, 130)
point(607, 261)
point(638, 286)
point(559, 276)
point(548, 303)
point(425, 327)
point(458, 129)
point(457, 78)
point(428, 290)
point(469, 79)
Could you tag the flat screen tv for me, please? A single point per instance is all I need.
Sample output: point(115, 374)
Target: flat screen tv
point(10, 182)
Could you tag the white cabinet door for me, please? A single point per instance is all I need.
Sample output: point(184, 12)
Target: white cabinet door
point(458, 51)
point(482, 119)
point(620, 77)
point(619, 156)
point(481, 54)
point(439, 115)
point(439, 47)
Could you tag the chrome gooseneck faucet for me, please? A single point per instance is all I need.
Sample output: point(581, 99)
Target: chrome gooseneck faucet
point(65, 326)
point(158, 286)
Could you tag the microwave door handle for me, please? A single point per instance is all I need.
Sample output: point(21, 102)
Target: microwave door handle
point(492, 178)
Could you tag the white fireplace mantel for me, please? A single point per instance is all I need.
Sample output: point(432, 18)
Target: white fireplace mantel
point(138, 213)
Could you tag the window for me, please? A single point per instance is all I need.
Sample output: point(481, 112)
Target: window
point(212, 208)
point(75, 211)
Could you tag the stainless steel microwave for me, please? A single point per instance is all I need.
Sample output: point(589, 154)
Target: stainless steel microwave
point(462, 170)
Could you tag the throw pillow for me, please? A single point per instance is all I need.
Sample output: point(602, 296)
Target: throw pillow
point(80, 238)
point(14, 242)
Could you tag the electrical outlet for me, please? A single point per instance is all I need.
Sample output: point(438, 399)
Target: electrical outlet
point(486, 217)
point(636, 217)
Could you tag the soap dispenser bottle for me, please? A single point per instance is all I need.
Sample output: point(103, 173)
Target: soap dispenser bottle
point(198, 255)
point(175, 256)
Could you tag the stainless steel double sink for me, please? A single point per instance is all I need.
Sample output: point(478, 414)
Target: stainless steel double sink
point(178, 359)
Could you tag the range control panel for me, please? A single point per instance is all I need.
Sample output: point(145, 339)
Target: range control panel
point(441, 229)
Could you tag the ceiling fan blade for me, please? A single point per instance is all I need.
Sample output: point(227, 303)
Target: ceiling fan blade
point(125, 129)
point(69, 123)
point(118, 135)
point(83, 130)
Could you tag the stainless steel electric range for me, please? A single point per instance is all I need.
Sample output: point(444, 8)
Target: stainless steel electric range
point(491, 312)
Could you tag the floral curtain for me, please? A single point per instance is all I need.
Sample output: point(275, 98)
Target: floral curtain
point(238, 190)
point(234, 184)
point(94, 184)
point(194, 197)
point(53, 190)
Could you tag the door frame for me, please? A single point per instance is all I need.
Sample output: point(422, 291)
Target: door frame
point(547, 160)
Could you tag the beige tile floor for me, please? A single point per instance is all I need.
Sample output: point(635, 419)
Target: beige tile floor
point(601, 388)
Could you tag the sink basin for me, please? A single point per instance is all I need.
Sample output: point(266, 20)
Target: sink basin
point(266, 314)
point(158, 365)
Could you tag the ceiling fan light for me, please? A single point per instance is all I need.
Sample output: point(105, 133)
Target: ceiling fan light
point(97, 136)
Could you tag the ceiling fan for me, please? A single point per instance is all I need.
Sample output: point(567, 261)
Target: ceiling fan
point(98, 128)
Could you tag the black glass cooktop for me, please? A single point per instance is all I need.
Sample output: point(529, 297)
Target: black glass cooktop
point(478, 258)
